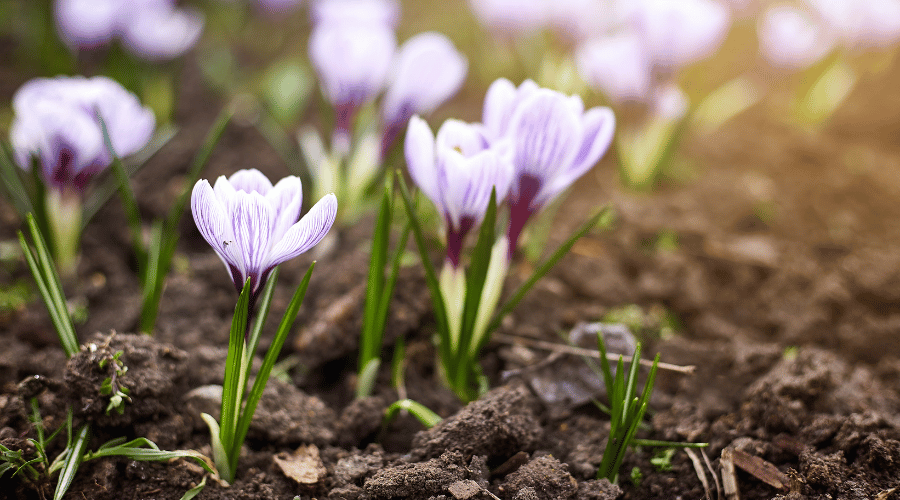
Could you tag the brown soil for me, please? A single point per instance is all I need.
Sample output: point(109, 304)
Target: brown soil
point(784, 239)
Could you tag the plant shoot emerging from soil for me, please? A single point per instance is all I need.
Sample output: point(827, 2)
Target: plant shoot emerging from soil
point(252, 225)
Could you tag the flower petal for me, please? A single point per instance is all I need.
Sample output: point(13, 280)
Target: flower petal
point(306, 233)
point(249, 181)
point(498, 107)
point(547, 135)
point(287, 199)
point(427, 71)
point(466, 138)
point(419, 150)
point(212, 221)
point(252, 222)
point(161, 32)
point(617, 66)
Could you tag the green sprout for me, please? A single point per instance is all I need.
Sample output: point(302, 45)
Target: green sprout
point(112, 385)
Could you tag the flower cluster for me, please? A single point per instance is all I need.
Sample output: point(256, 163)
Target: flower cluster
point(354, 51)
point(534, 143)
point(151, 29)
point(58, 121)
point(796, 36)
point(640, 58)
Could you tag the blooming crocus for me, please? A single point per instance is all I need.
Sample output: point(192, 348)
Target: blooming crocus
point(511, 17)
point(554, 142)
point(57, 123)
point(618, 66)
point(680, 32)
point(57, 120)
point(151, 29)
point(792, 39)
point(352, 61)
point(861, 24)
point(457, 171)
point(427, 71)
point(252, 225)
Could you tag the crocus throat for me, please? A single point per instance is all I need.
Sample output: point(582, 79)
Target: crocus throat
point(455, 238)
point(521, 208)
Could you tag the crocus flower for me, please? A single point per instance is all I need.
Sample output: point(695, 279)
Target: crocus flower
point(57, 120)
point(457, 172)
point(861, 24)
point(151, 29)
point(352, 61)
point(511, 17)
point(554, 141)
point(619, 66)
point(58, 124)
point(383, 12)
point(427, 71)
point(680, 32)
point(252, 225)
point(792, 39)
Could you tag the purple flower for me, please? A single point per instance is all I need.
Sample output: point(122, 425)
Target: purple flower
point(861, 24)
point(680, 32)
point(56, 121)
point(791, 38)
point(554, 141)
point(511, 17)
point(427, 71)
point(151, 29)
point(618, 66)
point(457, 171)
point(352, 61)
point(383, 12)
point(253, 225)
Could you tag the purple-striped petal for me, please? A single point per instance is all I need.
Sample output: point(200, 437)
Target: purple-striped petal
point(599, 125)
point(306, 233)
point(213, 222)
point(287, 199)
point(546, 133)
point(420, 158)
point(427, 71)
point(252, 224)
point(250, 180)
point(467, 138)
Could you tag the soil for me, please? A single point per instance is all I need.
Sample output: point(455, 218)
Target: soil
point(779, 262)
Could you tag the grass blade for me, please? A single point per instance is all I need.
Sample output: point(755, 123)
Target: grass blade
point(370, 342)
point(437, 298)
point(191, 493)
point(427, 417)
point(14, 187)
point(262, 377)
point(476, 276)
point(231, 394)
point(44, 273)
point(70, 466)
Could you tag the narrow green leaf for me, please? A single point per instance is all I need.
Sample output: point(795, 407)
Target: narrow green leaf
point(370, 342)
point(262, 312)
point(129, 202)
point(262, 377)
point(397, 363)
point(234, 368)
point(191, 493)
point(666, 444)
point(70, 467)
point(14, 187)
point(142, 449)
point(220, 456)
point(475, 278)
point(437, 299)
point(427, 417)
point(44, 273)
point(544, 268)
point(365, 380)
